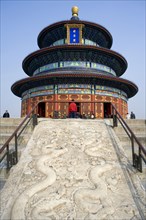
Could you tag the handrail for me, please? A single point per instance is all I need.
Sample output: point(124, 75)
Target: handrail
point(14, 134)
point(137, 159)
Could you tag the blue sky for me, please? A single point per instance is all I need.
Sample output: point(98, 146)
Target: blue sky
point(22, 21)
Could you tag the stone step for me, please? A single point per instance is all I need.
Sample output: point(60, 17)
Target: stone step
point(135, 144)
point(130, 122)
point(7, 128)
point(11, 128)
point(140, 137)
point(4, 174)
point(136, 129)
point(135, 122)
point(125, 144)
point(2, 183)
point(10, 121)
point(12, 146)
point(23, 139)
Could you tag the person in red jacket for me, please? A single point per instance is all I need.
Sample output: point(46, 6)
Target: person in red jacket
point(72, 109)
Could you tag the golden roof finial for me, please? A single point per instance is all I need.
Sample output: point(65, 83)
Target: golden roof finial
point(75, 10)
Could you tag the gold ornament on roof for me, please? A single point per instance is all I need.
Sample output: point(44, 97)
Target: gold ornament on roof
point(75, 10)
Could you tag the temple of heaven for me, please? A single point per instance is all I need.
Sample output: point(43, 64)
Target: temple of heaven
point(74, 62)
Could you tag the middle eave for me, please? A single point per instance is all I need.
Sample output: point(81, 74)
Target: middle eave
point(74, 52)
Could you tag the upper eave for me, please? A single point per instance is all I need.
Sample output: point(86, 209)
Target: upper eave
point(96, 54)
point(31, 82)
point(91, 31)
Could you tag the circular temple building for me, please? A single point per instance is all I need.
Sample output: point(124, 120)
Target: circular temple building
point(74, 62)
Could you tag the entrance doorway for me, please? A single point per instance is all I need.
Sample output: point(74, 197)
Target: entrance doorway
point(78, 109)
point(107, 110)
point(41, 109)
point(78, 106)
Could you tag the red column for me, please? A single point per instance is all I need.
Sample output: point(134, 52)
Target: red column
point(92, 100)
point(28, 105)
point(55, 99)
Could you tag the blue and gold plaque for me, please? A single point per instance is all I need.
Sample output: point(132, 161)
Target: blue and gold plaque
point(74, 35)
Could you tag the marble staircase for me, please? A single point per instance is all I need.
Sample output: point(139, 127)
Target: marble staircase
point(137, 126)
point(139, 129)
point(7, 127)
point(73, 169)
point(138, 179)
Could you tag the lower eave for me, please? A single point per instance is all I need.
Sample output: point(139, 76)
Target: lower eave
point(25, 84)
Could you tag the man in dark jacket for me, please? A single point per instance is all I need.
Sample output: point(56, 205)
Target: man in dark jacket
point(132, 116)
point(72, 109)
point(6, 114)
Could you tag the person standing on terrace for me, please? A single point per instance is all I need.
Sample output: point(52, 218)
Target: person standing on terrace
point(72, 109)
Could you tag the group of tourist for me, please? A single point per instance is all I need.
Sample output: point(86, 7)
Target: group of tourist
point(130, 116)
point(73, 113)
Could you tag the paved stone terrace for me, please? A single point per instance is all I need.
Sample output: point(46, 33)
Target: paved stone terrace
point(69, 170)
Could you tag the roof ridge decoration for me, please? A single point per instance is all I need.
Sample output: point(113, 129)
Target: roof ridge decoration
point(75, 10)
